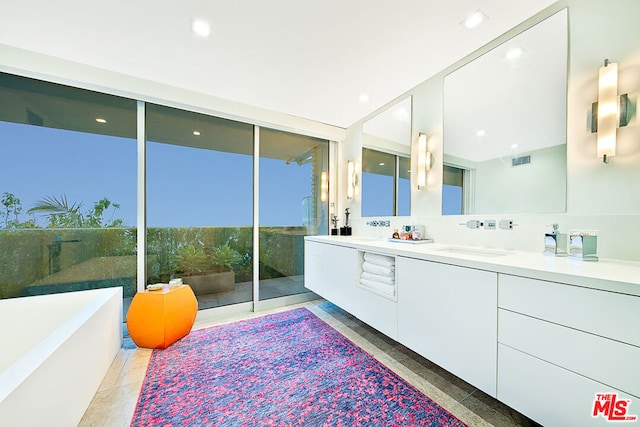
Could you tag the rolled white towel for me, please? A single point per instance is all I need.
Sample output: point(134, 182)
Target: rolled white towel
point(378, 269)
point(378, 278)
point(383, 260)
point(378, 287)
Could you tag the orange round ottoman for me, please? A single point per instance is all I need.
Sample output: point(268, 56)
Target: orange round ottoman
point(157, 319)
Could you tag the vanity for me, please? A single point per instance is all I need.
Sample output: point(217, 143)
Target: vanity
point(542, 334)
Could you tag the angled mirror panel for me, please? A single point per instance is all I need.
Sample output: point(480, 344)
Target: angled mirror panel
point(505, 124)
point(386, 159)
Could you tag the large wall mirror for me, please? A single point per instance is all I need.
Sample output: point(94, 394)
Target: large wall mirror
point(386, 163)
point(505, 126)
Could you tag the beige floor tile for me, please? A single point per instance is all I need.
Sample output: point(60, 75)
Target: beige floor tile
point(113, 407)
point(111, 379)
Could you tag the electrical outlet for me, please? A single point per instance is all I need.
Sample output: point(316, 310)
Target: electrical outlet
point(506, 224)
point(474, 223)
point(489, 224)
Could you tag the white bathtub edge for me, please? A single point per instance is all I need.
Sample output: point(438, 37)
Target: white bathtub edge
point(76, 333)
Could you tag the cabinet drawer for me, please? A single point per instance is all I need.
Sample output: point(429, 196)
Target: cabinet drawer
point(609, 314)
point(549, 394)
point(601, 359)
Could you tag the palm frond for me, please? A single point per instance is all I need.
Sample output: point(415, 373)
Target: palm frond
point(54, 205)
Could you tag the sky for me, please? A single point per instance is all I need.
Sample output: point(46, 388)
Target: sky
point(186, 187)
point(377, 195)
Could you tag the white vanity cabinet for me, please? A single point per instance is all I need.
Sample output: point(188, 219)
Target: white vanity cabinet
point(560, 344)
point(332, 272)
point(543, 335)
point(448, 315)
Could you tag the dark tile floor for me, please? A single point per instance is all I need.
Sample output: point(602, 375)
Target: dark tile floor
point(485, 406)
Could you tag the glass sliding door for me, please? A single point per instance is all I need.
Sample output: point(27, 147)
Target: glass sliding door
point(67, 189)
point(199, 173)
point(293, 204)
point(69, 202)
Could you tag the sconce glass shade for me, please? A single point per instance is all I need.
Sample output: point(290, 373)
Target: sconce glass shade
point(351, 179)
point(324, 186)
point(608, 114)
point(424, 161)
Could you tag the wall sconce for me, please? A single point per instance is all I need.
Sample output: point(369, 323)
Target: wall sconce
point(425, 159)
point(351, 179)
point(608, 113)
point(324, 186)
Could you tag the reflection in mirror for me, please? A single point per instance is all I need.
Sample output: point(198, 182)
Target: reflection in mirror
point(505, 126)
point(404, 186)
point(378, 171)
point(386, 163)
point(386, 184)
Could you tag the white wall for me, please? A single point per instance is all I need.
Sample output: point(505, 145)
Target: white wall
point(602, 29)
point(600, 197)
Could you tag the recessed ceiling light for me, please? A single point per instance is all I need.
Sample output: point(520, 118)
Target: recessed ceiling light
point(200, 27)
point(481, 132)
point(196, 132)
point(514, 146)
point(100, 120)
point(514, 53)
point(475, 19)
point(364, 98)
point(381, 164)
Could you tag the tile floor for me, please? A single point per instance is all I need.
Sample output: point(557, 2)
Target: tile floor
point(115, 401)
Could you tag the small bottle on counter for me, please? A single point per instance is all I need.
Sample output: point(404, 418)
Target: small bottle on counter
point(396, 235)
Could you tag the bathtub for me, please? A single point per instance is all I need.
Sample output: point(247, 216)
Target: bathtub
point(54, 352)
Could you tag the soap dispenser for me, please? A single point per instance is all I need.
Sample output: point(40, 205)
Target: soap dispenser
point(555, 243)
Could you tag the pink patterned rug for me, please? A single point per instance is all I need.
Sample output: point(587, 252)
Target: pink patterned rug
point(284, 369)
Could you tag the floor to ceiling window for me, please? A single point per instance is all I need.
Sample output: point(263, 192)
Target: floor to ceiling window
point(293, 204)
point(69, 204)
point(199, 174)
point(67, 189)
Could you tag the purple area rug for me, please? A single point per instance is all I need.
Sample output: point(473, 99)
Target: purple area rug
point(284, 369)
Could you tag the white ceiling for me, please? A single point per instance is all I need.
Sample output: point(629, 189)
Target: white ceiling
point(307, 58)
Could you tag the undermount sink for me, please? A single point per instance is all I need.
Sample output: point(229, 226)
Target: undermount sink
point(483, 252)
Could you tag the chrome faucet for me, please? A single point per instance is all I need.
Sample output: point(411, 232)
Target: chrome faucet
point(555, 243)
point(584, 246)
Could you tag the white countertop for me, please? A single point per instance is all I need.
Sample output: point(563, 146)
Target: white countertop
point(605, 274)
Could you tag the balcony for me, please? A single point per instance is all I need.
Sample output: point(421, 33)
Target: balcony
point(44, 261)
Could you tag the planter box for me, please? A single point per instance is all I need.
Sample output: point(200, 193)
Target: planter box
point(211, 283)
